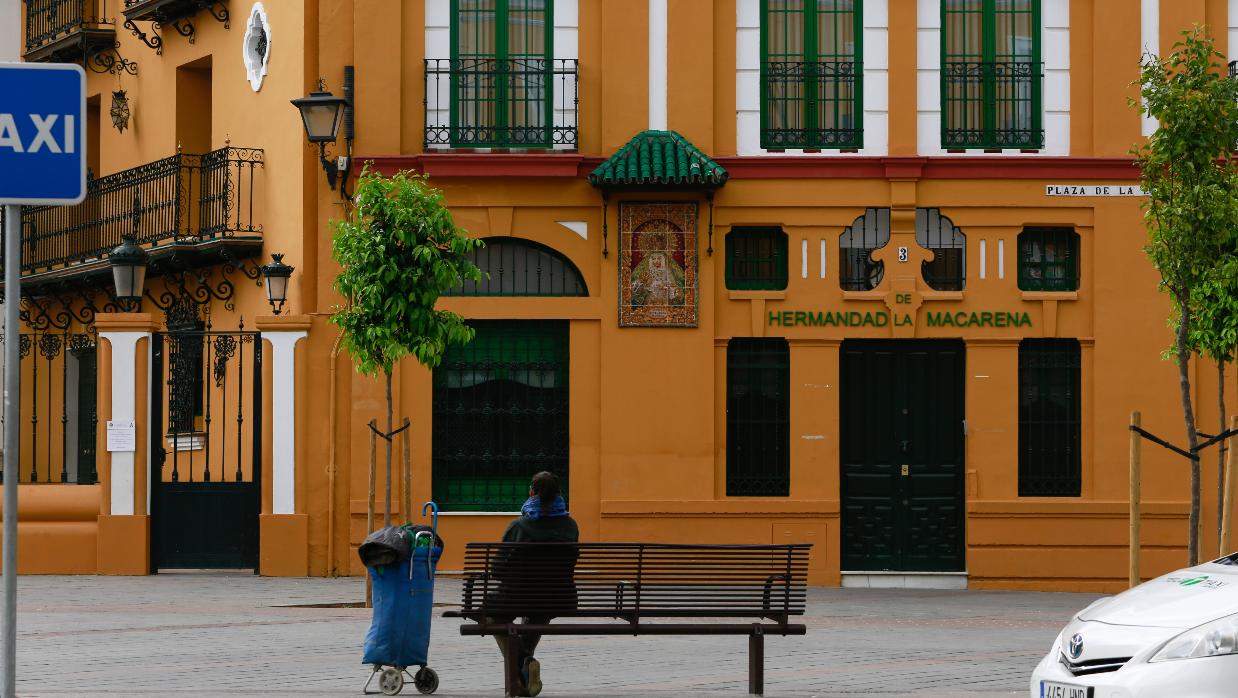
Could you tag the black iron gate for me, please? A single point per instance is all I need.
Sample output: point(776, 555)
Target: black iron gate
point(206, 451)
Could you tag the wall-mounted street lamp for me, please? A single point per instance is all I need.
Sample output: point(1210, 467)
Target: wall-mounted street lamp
point(120, 110)
point(129, 263)
point(322, 113)
point(276, 275)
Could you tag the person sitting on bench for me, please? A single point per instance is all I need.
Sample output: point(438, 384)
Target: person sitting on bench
point(543, 519)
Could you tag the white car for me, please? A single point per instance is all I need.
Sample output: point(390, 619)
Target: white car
point(1175, 636)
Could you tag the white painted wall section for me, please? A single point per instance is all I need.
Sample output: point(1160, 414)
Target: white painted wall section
point(124, 401)
point(657, 64)
point(1054, 52)
point(1233, 30)
point(283, 419)
point(876, 70)
point(1150, 42)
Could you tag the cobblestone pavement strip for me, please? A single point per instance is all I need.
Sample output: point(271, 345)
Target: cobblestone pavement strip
point(212, 634)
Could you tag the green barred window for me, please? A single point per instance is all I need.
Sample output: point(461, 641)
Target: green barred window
point(500, 415)
point(1049, 259)
point(501, 78)
point(756, 259)
point(811, 77)
point(991, 74)
point(1050, 463)
point(758, 422)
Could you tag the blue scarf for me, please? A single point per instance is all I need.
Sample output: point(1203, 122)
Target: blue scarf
point(532, 509)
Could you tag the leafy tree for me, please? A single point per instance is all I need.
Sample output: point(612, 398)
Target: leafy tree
point(398, 253)
point(1190, 178)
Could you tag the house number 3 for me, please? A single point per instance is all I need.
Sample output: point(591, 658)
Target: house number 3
point(902, 254)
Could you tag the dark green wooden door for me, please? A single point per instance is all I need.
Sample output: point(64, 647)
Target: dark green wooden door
point(902, 455)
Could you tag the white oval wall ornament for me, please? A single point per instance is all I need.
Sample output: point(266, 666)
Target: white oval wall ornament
point(257, 45)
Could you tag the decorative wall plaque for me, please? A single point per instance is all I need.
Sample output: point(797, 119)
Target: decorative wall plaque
point(657, 264)
point(257, 45)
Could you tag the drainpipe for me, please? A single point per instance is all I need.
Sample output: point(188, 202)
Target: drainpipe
point(335, 352)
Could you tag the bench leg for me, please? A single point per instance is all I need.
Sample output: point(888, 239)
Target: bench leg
point(511, 664)
point(756, 664)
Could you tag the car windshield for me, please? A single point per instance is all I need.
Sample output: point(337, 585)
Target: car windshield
point(1228, 560)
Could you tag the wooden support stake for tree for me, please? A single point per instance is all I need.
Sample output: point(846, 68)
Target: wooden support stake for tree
point(1231, 492)
point(1133, 577)
point(408, 476)
point(369, 509)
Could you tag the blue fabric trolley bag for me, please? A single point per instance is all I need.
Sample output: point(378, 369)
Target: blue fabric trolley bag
point(403, 595)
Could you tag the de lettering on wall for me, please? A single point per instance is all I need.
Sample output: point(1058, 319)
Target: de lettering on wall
point(657, 264)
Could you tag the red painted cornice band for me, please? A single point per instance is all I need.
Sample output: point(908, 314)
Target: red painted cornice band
point(566, 165)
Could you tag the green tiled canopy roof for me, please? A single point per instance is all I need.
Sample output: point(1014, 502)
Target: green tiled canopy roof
point(657, 159)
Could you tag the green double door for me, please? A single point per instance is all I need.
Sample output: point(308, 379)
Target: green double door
point(902, 465)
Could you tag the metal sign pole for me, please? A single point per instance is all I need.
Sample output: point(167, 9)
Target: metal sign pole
point(12, 442)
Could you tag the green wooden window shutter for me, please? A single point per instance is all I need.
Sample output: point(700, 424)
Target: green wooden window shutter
point(501, 73)
point(1050, 462)
point(758, 423)
point(1049, 259)
point(812, 82)
point(756, 259)
point(991, 74)
point(500, 415)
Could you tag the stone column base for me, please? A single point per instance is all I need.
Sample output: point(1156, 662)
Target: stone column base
point(284, 547)
point(124, 544)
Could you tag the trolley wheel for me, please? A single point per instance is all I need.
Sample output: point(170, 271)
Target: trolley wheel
point(426, 680)
point(391, 681)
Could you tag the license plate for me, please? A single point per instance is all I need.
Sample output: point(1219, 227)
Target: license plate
point(1052, 689)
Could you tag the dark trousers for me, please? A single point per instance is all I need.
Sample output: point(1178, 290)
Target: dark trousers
point(526, 643)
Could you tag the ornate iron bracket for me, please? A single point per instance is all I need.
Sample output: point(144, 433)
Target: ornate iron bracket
point(221, 15)
point(109, 60)
point(155, 41)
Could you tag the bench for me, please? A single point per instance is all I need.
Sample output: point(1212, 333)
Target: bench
point(752, 590)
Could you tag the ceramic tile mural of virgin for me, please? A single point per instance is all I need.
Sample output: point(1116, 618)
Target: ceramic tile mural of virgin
point(658, 265)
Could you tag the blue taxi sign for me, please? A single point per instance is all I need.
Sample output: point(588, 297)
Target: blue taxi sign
point(42, 133)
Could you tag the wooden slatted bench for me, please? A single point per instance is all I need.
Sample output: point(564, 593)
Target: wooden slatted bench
point(640, 584)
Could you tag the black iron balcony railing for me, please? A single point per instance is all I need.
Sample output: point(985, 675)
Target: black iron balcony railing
point(184, 199)
point(812, 104)
point(501, 103)
point(991, 105)
point(66, 30)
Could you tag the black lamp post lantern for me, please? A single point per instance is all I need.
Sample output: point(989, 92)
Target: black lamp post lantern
point(276, 275)
point(322, 113)
point(129, 262)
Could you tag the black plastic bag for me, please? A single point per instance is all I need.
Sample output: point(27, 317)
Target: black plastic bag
point(386, 546)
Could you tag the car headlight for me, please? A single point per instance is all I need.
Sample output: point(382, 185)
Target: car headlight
point(1213, 639)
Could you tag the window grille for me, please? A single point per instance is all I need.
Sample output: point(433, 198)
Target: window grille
point(1049, 418)
point(502, 73)
point(1049, 259)
point(935, 232)
point(811, 75)
point(516, 267)
point(756, 258)
point(991, 74)
point(870, 232)
point(758, 423)
point(500, 415)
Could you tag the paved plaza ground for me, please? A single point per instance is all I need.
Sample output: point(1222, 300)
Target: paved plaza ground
point(212, 634)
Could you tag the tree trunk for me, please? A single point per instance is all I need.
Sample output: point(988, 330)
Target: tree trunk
point(1192, 437)
point(1222, 447)
point(387, 511)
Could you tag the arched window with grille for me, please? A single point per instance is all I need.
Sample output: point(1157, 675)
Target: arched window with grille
point(936, 233)
point(518, 267)
point(870, 232)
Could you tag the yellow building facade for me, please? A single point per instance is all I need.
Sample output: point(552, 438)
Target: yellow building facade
point(866, 274)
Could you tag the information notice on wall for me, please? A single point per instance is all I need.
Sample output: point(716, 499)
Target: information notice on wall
point(1093, 190)
point(121, 436)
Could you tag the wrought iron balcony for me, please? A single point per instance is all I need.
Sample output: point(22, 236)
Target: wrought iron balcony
point(177, 14)
point(992, 105)
point(527, 103)
point(69, 30)
point(811, 104)
point(199, 208)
